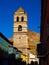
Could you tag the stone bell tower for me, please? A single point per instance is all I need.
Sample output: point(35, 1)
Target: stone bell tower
point(20, 38)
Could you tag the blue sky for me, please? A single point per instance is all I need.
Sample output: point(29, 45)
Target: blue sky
point(7, 9)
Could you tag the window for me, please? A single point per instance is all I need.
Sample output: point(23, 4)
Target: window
point(19, 37)
point(20, 28)
point(17, 19)
point(22, 19)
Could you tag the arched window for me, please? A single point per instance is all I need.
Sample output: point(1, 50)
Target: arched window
point(20, 28)
point(22, 19)
point(17, 19)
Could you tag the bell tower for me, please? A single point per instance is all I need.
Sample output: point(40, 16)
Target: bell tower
point(20, 38)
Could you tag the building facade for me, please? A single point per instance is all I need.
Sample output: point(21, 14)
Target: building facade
point(45, 29)
point(20, 39)
point(21, 36)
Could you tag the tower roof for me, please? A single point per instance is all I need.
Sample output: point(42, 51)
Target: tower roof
point(20, 10)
